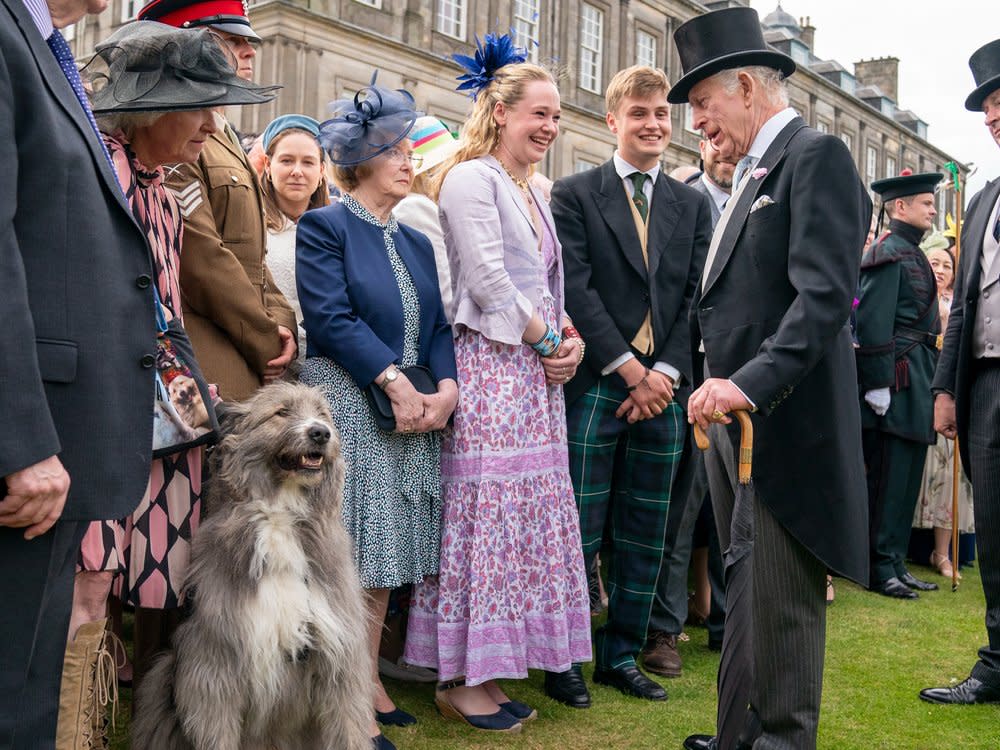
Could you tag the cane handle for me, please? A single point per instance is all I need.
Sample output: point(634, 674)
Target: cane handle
point(746, 443)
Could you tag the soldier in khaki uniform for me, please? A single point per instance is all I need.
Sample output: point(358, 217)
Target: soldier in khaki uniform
point(240, 324)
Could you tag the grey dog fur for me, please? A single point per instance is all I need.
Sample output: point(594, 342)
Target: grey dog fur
point(226, 685)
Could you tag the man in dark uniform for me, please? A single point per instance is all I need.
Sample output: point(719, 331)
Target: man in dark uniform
point(897, 328)
point(967, 384)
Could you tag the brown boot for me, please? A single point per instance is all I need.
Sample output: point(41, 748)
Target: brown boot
point(660, 655)
point(88, 685)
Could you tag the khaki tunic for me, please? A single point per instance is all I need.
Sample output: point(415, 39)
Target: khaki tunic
point(232, 307)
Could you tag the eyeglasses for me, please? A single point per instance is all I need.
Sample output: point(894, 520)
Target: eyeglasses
point(396, 155)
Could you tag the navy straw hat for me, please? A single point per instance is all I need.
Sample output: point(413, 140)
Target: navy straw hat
point(374, 121)
point(721, 40)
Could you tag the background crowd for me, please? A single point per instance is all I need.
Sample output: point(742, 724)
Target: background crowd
point(513, 367)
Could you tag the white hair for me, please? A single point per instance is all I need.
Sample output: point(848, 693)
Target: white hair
point(127, 122)
point(771, 81)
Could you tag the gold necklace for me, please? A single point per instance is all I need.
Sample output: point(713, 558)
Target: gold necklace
point(521, 182)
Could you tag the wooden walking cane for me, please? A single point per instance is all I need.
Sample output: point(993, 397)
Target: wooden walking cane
point(746, 443)
point(956, 462)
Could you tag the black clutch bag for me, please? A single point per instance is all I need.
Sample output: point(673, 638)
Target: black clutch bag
point(418, 375)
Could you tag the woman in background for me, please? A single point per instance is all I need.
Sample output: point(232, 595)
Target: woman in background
point(293, 180)
point(934, 507)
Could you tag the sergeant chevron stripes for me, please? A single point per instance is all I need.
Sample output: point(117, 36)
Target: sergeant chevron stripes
point(188, 198)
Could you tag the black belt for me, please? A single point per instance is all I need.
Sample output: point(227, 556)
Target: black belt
point(917, 337)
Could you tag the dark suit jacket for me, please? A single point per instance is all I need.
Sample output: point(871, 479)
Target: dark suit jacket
point(953, 370)
point(773, 316)
point(699, 185)
point(75, 304)
point(350, 299)
point(608, 289)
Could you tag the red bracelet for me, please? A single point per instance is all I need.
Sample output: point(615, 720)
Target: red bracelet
point(569, 332)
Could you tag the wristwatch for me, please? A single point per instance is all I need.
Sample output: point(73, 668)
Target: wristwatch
point(390, 377)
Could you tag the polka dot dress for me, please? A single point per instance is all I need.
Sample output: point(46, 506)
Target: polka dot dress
point(392, 492)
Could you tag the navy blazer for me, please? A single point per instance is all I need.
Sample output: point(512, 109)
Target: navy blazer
point(351, 308)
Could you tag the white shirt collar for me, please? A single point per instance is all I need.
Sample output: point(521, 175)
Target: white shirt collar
point(769, 131)
point(41, 15)
point(718, 195)
point(624, 169)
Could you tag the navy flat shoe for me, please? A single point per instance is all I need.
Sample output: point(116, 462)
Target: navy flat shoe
point(396, 718)
point(381, 742)
point(520, 711)
point(501, 721)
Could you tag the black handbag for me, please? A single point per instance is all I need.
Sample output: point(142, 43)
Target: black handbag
point(183, 413)
point(421, 378)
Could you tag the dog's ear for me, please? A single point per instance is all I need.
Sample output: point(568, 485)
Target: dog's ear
point(228, 414)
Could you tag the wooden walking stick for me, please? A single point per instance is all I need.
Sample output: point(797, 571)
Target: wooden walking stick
point(956, 458)
point(956, 462)
point(746, 443)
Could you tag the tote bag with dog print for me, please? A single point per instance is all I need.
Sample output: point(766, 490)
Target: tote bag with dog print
point(183, 413)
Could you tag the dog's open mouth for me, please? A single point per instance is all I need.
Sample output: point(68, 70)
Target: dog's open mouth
point(306, 462)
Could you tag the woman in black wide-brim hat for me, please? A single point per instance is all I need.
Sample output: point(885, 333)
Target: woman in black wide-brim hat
point(154, 90)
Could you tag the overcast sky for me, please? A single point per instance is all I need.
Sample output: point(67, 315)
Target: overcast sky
point(933, 40)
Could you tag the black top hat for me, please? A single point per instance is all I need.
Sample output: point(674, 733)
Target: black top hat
point(152, 67)
point(985, 65)
point(224, 15)
point(906, 184)
point(722, 39)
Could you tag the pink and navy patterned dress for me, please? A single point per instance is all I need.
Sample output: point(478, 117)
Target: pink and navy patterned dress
point(151, 547)
point(512, 593)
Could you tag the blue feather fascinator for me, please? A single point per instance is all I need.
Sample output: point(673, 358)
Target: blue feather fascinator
point(369, 124)
point(495, 51)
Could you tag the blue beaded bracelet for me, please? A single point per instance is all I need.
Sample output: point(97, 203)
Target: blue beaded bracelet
point(548, 344)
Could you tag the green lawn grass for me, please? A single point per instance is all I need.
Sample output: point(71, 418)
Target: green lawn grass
point(880, 653)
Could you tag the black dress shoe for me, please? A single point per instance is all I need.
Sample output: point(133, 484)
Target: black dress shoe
point(568, 687)
point(701, 742)
point(632, 682)
point(964, 693)
point(915, 583)
point(895, 588)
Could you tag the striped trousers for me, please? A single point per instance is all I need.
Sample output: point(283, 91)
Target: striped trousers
point(984, 460)
point(771, 670)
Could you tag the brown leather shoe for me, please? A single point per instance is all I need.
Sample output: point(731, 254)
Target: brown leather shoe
point(660, 655)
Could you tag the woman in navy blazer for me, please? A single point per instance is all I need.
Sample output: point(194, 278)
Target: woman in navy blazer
point(371, 306)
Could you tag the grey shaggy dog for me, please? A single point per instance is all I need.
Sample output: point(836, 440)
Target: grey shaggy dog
point(274, 655)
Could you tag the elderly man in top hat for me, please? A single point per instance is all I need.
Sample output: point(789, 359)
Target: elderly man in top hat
point(772, 313)
point(240, 324)
point(967, 384)
point(897, 325)
point(77, 347)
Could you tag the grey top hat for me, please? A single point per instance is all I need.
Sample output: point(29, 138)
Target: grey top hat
point(985, 65)
point(717, 41)
point(147, 66)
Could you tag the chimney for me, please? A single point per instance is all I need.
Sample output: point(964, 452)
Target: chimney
point(882, 72)
point(808, 34)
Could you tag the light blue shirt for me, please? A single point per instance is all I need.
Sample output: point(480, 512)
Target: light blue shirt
point(41, 15)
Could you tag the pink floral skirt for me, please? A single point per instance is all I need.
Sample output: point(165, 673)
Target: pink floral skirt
point(512, 590)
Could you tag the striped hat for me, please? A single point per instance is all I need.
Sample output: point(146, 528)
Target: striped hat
point(432, 142)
